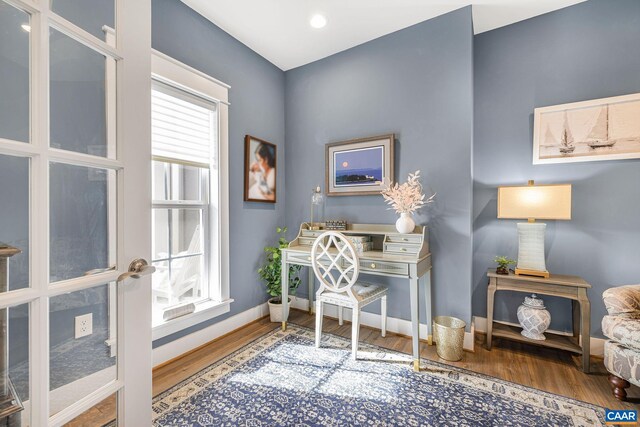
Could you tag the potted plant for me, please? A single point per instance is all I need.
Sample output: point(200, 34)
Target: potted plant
point(405, 199)
point(503, 264)
point(270, 273)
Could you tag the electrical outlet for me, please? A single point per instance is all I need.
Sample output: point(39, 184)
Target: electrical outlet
point(84, 325)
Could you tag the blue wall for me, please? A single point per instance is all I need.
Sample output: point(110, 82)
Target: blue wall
point(587, 51)
point(416, 83)
point(257, 108)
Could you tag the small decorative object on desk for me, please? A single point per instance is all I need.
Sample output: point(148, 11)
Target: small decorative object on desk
point(503, 264)
point(317, 208)
point(362, 244)
point(335, 224)
point(534, 318)
point(405, 199)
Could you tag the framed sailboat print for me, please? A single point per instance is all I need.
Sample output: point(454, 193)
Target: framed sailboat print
point(599, 129)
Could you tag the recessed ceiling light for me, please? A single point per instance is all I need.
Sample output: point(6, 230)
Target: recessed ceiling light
point(318, 21)
point(26, 27)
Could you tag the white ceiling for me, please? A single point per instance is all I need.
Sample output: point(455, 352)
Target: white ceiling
point(279, 30)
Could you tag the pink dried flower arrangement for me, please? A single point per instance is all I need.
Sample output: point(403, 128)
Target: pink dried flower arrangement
point(407, 197)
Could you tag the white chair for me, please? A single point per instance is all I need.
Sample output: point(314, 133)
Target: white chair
point(336, 265)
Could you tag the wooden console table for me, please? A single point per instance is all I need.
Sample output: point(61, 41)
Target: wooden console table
point(572, 287)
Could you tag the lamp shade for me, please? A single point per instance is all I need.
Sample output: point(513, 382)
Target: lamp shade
point(535, 202)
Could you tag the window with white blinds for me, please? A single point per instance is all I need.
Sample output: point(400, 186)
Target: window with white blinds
point(183, 126)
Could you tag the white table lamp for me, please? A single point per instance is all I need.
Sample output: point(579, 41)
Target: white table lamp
point(533, 202)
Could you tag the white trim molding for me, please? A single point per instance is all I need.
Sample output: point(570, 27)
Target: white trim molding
point(189, 342)
point(395, 325)
point(596, 347)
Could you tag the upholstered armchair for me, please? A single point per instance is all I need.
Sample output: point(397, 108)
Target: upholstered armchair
point(622, 327)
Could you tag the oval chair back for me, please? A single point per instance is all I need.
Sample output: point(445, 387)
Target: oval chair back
point(335, 262)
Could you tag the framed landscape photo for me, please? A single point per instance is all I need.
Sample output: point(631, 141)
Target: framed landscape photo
point(599, 129)
point(357, 167)
point(260, 170)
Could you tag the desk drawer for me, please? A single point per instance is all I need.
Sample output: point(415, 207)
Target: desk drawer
point(304, 259)
point(401, 248)
point(404, 238)
point(306, 241)
point(311, 233)
point(388, 267)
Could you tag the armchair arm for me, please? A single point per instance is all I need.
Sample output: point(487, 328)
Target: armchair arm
point(623, 301)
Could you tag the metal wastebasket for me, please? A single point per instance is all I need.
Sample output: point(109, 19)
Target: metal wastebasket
point(448, 332)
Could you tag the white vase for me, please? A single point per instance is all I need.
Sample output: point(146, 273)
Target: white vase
point(534, 318)
point(405, 224)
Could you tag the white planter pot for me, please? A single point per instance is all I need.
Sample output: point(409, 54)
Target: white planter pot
point(275, 310)
point(405, 224)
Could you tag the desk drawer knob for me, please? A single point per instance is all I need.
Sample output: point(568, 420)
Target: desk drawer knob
point(308, 258)
point(373, 265)
point(404, 239)
point(404, 249)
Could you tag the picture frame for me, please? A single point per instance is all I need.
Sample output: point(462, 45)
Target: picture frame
point(594, 130)
point(260, 170)
point(355, 167)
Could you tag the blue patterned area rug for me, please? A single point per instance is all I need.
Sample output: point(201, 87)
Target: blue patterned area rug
point(281, 379)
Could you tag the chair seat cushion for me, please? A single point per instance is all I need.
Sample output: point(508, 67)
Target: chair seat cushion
point(623, 330)
point(622, 362)
point(361, 290)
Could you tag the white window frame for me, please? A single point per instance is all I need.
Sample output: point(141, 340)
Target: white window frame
point(181, 76)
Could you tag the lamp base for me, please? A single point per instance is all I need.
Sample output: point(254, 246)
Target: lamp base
point(536, 273)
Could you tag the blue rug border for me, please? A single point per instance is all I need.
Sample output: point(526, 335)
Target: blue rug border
point(551, 395)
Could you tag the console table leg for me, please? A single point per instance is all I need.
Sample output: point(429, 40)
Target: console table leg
point(585, 329)
point(491, 290)
point(415, 322)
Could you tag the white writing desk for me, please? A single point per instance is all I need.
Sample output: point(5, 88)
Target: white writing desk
point(403, 256)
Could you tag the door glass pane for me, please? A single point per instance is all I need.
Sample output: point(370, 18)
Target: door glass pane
point(14, 223)
point(14, 69)
point(186, 232)
point(14, 361)
point(82, 220)
point(82, 344)
point(102, 414)
point(78, 97)
point(90, 15)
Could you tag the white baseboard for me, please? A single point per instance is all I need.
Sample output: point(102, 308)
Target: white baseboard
point(183, 345)
point(399, 326)
point(596, 345)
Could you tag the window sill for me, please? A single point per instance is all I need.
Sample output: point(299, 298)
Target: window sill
point(205, 311)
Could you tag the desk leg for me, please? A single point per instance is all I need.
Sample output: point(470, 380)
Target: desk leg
point(312, 287)
point(428, 307)
point(491, 290)
point(585, 328)
point(415, 322)
point(284, 282)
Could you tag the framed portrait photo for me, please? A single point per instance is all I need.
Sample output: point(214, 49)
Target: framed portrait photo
point(357, 167)
point(260, 170)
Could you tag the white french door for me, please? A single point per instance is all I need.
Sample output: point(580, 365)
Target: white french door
point(75, 211)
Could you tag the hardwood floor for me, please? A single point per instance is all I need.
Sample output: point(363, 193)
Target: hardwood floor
point(550, 370)
point(545, 369)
